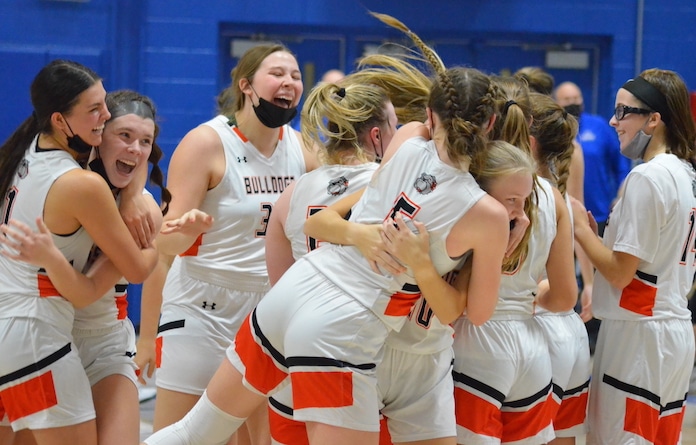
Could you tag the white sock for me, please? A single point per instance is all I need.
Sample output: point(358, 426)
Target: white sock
point(205, 424)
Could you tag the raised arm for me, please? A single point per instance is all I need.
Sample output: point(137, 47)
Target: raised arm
point(81, 197)
point(201, 148)
point(330, 225)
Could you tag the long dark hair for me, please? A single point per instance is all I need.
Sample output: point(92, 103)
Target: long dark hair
point(56, 88)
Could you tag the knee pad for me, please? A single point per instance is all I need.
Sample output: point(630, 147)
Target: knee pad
point(205, 424)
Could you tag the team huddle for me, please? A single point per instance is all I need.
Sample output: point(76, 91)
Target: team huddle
point(401, 270)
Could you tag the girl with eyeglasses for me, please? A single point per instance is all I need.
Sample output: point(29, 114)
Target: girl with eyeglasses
point(645, 267)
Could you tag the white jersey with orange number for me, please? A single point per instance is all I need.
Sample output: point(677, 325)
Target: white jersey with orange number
point(418, 185)
point(319, 189)
point(231, 253)
point(654, 221)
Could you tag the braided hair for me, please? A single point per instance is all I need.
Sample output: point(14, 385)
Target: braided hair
point(463, 99)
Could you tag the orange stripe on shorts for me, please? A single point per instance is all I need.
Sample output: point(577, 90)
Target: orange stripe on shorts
point(333, 389)
point(519, 425)
point(572, 412)
point(477, 415)
point(400, 304)
point(261, 371)
point(641, 419)
point(287, 431)
point(638, 297)
point(669, 428)
point(193, 250)
point(30, 397)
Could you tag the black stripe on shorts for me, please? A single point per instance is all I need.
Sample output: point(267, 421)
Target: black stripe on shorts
point(326, 362)
point(528, 401)
point(280, 407)
point(178, 324)
point(38, 366)
point(277, 356)
point(478, 386)
point(577, 390)
point(644, 393)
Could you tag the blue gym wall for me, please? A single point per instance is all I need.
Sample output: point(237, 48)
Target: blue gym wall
point(178, 51)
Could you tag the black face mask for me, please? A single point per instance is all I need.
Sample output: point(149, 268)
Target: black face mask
point(97, 166)
point(271, 115)
point(574, 110)
point(76, 143)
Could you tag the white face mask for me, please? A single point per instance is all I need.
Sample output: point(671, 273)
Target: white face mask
point(636, 148)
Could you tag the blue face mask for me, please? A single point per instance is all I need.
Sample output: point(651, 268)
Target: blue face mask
point(635, 149)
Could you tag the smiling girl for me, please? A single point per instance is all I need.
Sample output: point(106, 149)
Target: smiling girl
point(224, 177)
point(645, 268)
point(43, 386)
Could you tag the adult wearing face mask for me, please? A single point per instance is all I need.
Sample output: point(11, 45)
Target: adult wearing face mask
point(645, 267)
point(605, 168)
point(224, 176)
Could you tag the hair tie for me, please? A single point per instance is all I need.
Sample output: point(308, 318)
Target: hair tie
point(508, 104)
point(341, 93)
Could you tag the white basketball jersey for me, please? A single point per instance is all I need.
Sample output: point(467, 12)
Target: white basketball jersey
point(654, 220)
point(317, 190)
point(538, 310)
point(518, 288)
point(108, 310)
point(232, 253)
point(26, 290)
point(418, 185)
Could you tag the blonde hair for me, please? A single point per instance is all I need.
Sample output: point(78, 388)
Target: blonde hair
point(463, 99)
point(337, 118)
point(407, 87)
point(513, 112)
point(504, 159)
